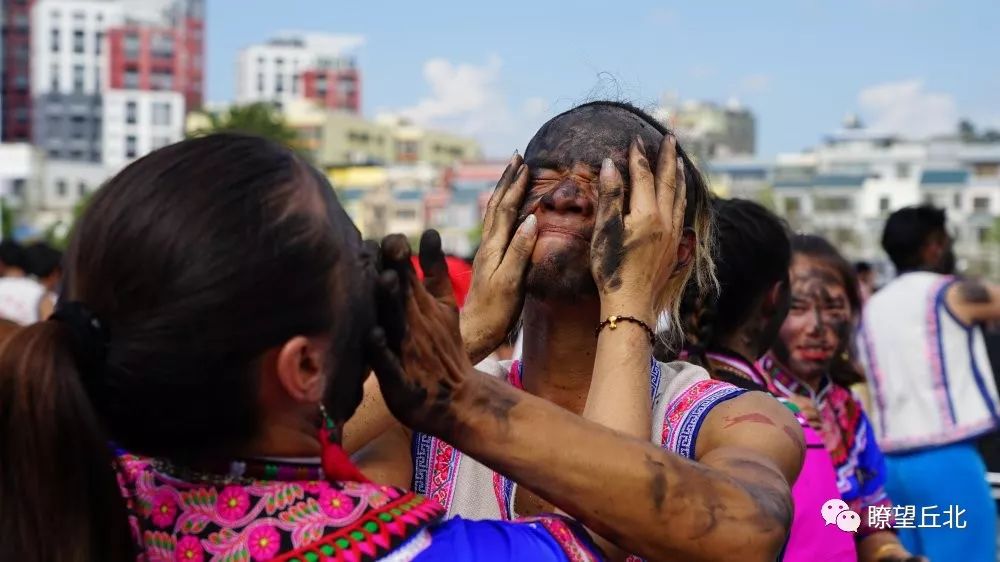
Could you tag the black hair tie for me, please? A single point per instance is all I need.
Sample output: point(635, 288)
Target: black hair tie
point(90, 337)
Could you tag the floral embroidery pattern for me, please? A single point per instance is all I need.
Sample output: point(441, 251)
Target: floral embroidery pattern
point(200, 521)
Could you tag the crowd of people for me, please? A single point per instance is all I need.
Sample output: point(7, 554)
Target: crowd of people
point(692, 381)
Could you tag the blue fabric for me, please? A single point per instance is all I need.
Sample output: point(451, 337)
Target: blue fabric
point(953, 475)
point(496, 541)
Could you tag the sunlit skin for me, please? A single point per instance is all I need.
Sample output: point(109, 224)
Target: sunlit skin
point(818, 321)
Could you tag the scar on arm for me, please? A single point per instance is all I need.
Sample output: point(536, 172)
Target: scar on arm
point(796, 438)
point(752, 417)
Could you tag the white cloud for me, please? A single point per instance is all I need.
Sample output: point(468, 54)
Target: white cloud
point(906, 109)
point(469, 99)
point(754, 84)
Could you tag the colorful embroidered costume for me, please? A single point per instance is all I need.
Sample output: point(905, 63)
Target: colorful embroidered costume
point(849, 438)
point(288, 512)
point(810, 538)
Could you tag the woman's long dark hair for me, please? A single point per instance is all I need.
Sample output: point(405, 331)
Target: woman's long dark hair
point(844, 369)
point(197, 258)
point(752, 253)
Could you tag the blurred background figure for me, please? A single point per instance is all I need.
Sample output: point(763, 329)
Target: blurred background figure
point(810, 364)
point(21, 297)
point(866, 279)
point(45, 265)
point(932, 385)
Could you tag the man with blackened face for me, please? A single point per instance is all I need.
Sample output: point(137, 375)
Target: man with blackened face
point(587, 241)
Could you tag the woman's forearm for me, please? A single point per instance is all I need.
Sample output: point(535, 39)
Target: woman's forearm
point(647, 501)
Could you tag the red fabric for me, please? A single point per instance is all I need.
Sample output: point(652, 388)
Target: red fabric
point(459, 272)
point(336, 462)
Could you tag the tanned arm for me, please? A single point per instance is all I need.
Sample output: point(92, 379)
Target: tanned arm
point(974, 301)
point(734, 504)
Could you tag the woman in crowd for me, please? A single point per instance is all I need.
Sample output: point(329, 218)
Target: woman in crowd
point(216, 323)
point(810, 364)
point(729, 330)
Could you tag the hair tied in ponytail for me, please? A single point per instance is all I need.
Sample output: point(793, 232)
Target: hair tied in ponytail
point(90, 337)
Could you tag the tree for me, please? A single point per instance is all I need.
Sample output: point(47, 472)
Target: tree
point(259, 119)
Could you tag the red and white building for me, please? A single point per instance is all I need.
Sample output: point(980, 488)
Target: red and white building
point(107, 82)
point(297, 66)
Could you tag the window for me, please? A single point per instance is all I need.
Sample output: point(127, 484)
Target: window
point(345, 87)
point(902, 170)
point(260, 82)
point(986, 169)
point(78, 78)
point(279, 83)
point(17, 187)
point(321, 85)
point(161, 113)
point(21, 82)
point(406, 214)
point(163, 46)
point(98, 83)
point(983, 234)
point(980, 204)
point(295, 83)
point(61, 188)
point(54, 78)
point(98, 41)
point(54, 40)
point(78, 41)
point(162, 81)
point(131, 112)
point(81, 189)
point(131, 79)
point(883, 204)
point(77, 126)
point(957, 200)
point(130, 147)
point(131, 46)
point(832, 204)
point(793, 206)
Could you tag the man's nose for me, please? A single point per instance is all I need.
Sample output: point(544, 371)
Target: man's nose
point(568, 197)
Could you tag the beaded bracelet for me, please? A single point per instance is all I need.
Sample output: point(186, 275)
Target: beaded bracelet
point(612, 322)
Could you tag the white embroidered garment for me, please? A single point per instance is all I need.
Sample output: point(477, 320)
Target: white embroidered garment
point(683, 394)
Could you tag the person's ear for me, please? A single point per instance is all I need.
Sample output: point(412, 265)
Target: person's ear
point(300, 368)
point(776, 298)
point(685, 250)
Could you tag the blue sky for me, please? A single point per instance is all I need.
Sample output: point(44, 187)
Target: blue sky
point(497, 70)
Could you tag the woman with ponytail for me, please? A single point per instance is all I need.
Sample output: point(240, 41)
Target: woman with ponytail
point(727, 331)
point(213, 333)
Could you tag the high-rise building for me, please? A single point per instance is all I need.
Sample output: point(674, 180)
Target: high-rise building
point(68, 75)
point(109, 81)
point(15, 62)
point(160, 52)
point(297, 66)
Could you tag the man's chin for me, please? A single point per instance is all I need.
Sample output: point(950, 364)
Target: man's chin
point(548, 284)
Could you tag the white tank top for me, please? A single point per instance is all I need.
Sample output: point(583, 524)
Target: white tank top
point(20, 298)
point(683, 394)
point(929, 374)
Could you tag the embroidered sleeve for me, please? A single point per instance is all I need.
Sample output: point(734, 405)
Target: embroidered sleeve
point(688, 410)
point(571, 537)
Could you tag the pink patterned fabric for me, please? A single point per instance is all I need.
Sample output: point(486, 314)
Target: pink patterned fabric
point(194, 519)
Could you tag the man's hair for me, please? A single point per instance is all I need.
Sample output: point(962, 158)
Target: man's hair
point(42, 260)
point(697, 216)
point(907, 231)
point(12, 254)
point(862, 267)
point(752, 253)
